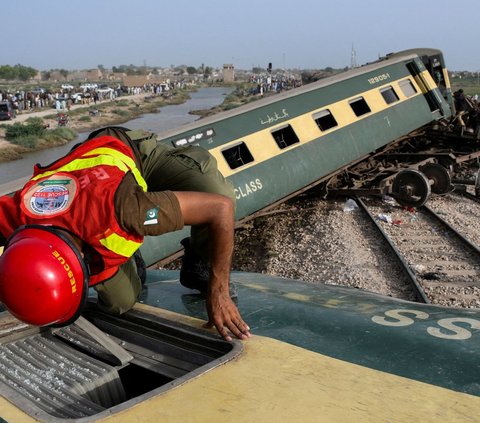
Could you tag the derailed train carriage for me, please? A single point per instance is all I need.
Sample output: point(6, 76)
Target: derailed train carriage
point(319, 353)
point(276, 147)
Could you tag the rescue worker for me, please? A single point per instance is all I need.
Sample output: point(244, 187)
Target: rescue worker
point(461, 107)
point(79, 221)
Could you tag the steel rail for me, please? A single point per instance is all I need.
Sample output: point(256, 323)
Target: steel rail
point(462, 190)
point(419, 292)
point(447, 225)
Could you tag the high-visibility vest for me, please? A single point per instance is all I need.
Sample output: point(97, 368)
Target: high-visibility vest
point(77, 193)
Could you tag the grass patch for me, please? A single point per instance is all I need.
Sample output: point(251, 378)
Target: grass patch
point(33, 135)
point(33, 127)
point(59, 134)
point(27, 141)
point(122, 103)
point(120, 112)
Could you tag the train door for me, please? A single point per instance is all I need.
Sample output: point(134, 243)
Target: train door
point(439, 73)
point(428, 86)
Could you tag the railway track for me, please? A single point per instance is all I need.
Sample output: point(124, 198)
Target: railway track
point(444, 265)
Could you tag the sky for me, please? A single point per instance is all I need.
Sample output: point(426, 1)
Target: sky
point(304, 34)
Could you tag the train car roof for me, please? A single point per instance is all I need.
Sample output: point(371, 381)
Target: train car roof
point(346, 355)
point(428, 343)
point(351, 73)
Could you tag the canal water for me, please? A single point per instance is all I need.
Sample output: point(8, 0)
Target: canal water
point(169, 117)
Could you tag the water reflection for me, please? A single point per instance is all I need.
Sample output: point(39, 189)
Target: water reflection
point(170, 117)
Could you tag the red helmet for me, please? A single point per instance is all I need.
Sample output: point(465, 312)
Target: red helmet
point(43, 278)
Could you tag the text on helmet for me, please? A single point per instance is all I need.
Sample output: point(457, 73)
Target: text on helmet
point(66, 266)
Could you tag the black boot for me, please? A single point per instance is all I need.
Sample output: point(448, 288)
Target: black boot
point(194, 273)
point(141, 267)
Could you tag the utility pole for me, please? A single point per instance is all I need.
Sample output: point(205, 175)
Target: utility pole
point(353, 58)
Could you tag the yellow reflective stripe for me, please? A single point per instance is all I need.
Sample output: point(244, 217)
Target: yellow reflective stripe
point(111, 152)
point(80, 164)
point(123, 158)
point(108, 160)
point(120, 245)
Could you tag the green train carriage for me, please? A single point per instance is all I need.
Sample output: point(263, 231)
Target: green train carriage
point(278, 146)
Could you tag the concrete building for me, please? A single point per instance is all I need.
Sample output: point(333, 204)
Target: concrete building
point(228, 73)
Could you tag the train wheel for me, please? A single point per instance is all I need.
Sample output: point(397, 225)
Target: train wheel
point(439, 177)
point(411, 188)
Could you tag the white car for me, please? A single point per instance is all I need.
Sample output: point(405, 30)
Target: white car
point(76, 97)
point(88, 86)
point(67, 87)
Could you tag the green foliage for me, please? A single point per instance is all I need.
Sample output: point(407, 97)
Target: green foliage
point(34, 128)
point(470, 84)
point(24, 73)
point(27, 141)
point(84, 119)
point(231, 106)
point(59, 134)
point(33, 133)
point(120, 112)
point(130, 69)
point(191, 70)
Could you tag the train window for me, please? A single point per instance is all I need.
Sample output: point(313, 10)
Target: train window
point(389, 95)
point(325, 120)
point(359, 106)
point(285, 136)
point(407, 87)
point(238, 155)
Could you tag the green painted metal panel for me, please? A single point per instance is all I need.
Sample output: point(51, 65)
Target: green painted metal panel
point(417, 341)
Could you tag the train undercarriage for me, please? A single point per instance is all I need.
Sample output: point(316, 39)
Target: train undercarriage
point(413, 167)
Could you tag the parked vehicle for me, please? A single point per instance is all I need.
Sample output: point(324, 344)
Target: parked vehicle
point(6, 111)
point(88, 86)
point(76, 97)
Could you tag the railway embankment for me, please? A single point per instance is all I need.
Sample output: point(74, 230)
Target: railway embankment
point(329, 241)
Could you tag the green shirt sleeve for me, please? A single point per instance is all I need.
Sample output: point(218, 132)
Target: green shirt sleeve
point(146, 213)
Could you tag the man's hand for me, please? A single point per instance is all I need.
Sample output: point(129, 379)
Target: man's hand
point(223, 314)
point(217, 212)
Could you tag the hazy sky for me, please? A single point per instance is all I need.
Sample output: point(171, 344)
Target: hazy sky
point(80, 34)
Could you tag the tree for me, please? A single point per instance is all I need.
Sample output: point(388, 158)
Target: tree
point(207, 71)
point(21, 72)
point(25, 73)
point(191, 70)
point(64, 73)
point(7, 72)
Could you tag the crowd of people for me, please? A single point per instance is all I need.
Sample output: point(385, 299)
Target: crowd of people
point(267, 82)
point(63, 98)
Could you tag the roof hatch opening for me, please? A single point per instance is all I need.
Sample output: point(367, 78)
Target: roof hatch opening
point(77, 372)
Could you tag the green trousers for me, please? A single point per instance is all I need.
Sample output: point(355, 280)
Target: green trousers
point(188, 168)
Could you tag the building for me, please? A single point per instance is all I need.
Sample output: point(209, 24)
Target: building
point(228, 73)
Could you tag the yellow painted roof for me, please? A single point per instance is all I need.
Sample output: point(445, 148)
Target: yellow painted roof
point(271, 381)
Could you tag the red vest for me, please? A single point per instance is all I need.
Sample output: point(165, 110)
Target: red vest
point(77, 193)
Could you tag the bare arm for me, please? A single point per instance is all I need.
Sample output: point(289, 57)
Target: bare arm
point(217, 212)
